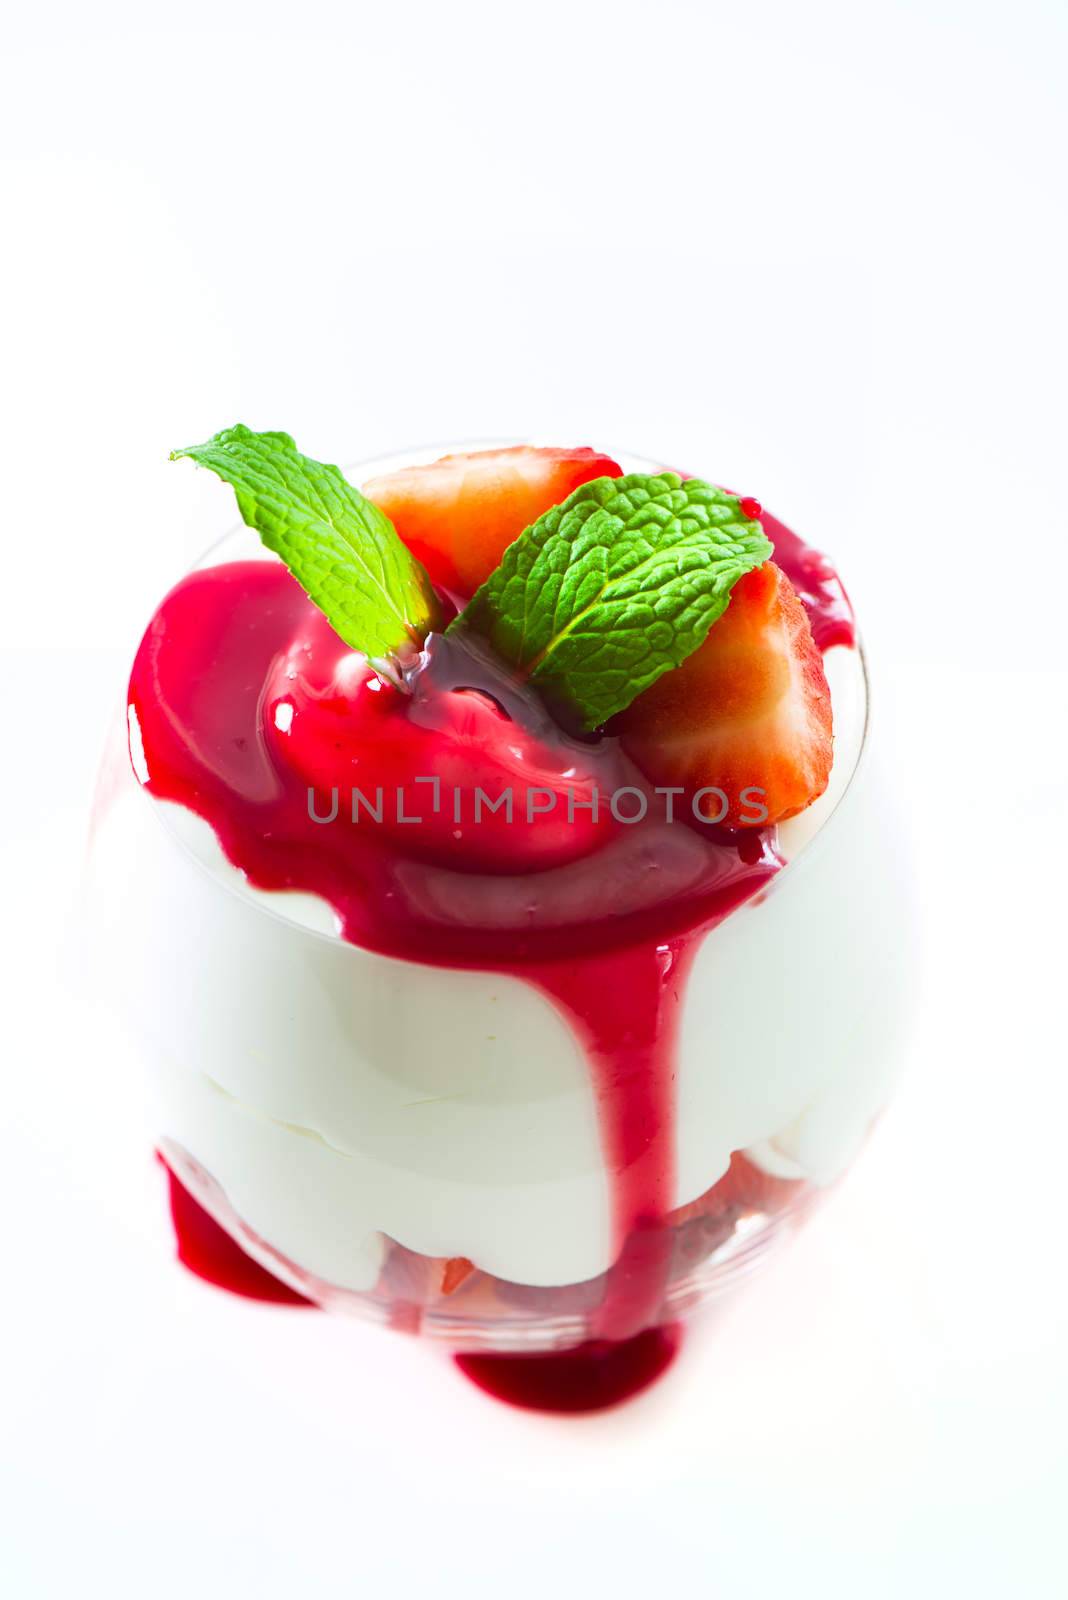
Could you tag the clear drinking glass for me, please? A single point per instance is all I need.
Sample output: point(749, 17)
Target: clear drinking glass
point(303, 1097)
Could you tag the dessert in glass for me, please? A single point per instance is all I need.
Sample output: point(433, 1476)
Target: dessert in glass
point(500, 898)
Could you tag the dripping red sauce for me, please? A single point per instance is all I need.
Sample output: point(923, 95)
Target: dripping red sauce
point(206, 1249)
point(246, 700)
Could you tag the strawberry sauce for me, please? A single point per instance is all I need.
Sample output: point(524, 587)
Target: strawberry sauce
point(206, 1249)
point(592, 1377)
point(316, 776)
point(821, 590)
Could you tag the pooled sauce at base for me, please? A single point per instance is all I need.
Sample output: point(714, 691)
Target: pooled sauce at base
point(253, 714)
point(591, 1377)
point(207, 1250)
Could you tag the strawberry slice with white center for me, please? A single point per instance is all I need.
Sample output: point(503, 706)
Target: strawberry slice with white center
point(749, 713)
point(458, 515)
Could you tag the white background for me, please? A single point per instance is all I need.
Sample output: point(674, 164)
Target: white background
point(815, 250)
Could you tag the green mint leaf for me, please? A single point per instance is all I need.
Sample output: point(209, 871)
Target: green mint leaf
point(614, 587)
point(343, 551)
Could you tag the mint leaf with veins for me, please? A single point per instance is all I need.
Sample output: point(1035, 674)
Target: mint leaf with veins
point(613, 588)
point(343, 551)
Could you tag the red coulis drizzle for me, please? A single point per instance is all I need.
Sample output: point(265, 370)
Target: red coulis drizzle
point(252, 713)
point(206, 1249)
point(822, 591)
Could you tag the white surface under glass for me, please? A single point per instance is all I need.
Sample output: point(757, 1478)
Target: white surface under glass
point(820, 248)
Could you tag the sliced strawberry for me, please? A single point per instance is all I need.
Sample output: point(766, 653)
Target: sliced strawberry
point(459, 514)
point(707, 1222)
point(749, 713)
point(454, 1271)
point(743, 1188)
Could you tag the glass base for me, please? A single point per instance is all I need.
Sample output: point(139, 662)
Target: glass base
point(698, 1256)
